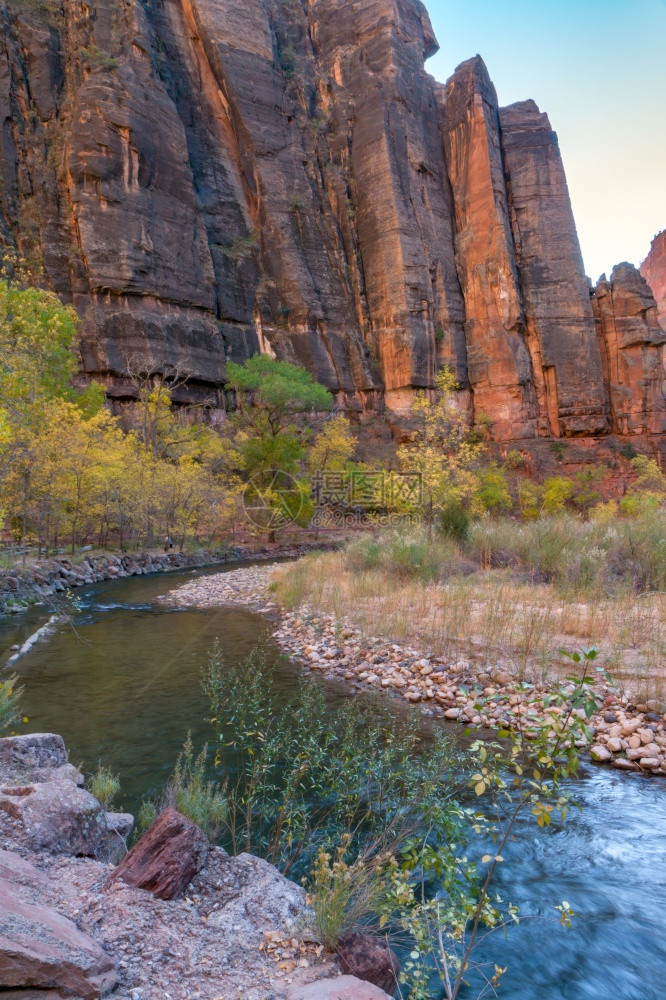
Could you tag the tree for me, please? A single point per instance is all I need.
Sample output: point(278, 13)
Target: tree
point(441, 452)
point(272, 396)
point(492, 493)
point(557, 492)
point(279, 390)
point(333, 448)
point(38, 359)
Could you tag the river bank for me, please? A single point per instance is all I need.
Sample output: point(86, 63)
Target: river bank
point(476, 690)
point(42, 580)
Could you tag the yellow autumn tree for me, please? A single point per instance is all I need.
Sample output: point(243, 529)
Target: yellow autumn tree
point(440, 453)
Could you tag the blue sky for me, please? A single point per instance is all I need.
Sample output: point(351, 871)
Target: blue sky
point(598, 67)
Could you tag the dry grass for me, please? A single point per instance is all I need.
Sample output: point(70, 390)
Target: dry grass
point(491, 614)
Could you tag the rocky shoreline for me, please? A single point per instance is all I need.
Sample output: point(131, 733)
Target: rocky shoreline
point(176, 917)
point(44, 579)
point(628, 737)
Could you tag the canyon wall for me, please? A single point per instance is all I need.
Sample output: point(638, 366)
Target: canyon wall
point(653, 270)
point(203, 180)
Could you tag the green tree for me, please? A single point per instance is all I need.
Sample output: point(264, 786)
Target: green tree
point(273, 397)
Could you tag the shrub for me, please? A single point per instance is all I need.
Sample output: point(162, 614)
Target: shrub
point(529, 499)
point(348, 898)
point(10, 695)
point(649, 476)
point(404, 556)
point(492, 493)
point(557, 492)
point(454, 521)
point(148, 813)
point(305, 779)
point(586, 488)
point(603, 555)
point(410, 557)
point(104, 785)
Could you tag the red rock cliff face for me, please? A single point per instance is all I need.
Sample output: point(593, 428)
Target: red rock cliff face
point(205, 179)
point(653, 270)
point(632, 350)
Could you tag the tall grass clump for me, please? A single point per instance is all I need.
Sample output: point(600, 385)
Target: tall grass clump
point(404, 555)
point(191, 792)
point(104, 785)
point(594, 557)
point(10, 696)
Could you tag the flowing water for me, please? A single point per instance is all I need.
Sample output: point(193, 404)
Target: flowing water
point(124, 687)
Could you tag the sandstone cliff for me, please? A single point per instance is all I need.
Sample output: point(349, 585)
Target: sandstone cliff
point(204, 180)
point(653, 270)
point(632, 352)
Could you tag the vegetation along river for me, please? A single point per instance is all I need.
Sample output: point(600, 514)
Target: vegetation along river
point(124, 687)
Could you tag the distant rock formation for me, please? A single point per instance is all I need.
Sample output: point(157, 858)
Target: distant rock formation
point(632, 352)
point(204, 180)
point(653, 270)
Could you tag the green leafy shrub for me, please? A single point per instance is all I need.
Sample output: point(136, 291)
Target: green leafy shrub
point(557, 492)
point(492, 493)
point(404, 555)
point(104, 785)
point(303, 778)
point(454, 521)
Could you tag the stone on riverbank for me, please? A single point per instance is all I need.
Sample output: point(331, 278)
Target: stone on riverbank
point(54, 816)
point(337, 649)
point(369, 959)
point(166, 859)
point(39, 948)
point(341, 988)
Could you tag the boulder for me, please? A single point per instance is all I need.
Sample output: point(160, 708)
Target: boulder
point(254, 897)
point(120, 824)
point(369, 958)
point(32, 751)
point(166, 859)
point(342, 988)
point(55, 816)
point(42, 954)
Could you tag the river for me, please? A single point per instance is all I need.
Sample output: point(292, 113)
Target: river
point(124, 687)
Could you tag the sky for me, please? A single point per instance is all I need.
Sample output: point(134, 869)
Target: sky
point(598, 67)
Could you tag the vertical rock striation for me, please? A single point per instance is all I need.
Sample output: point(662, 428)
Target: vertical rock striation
point(632, 349)
point(653, 270)
point(560, 324)
point(500, 371)
point(204, 179)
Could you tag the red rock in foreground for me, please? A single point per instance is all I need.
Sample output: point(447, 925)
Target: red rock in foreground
point(369, 959)
point(166, 859)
